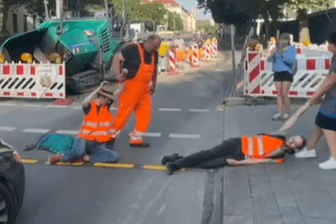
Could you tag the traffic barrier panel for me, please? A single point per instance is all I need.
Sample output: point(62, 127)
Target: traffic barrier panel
point(194, 59)
point(258, 79)
point(214, 47)
point(42, 80)
point(172, 61)
point(180, 58)
point(207, 53)
point(200, 54)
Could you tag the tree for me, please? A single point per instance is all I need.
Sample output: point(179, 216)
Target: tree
point(178, 21)
point(204, 25)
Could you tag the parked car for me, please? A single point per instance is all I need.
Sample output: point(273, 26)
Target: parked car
point(12, 183)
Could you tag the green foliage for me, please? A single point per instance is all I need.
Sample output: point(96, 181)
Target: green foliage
point(204, 25)
point(309, 4)
point(178, 21)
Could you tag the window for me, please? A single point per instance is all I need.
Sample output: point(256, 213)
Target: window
point(25, 23)
point(15, 23)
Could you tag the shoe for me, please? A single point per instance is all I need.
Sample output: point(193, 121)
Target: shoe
point(137, 141)
point(140, 144)
point(304, 153)
point(170, 159)
point(55, 159)
point(285, 116)
point(171, 168)
point(276, 117)
point(329, 164)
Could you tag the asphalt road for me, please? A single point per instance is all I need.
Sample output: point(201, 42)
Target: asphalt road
point(184, 120)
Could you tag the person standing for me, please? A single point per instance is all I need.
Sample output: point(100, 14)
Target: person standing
point(179, 42)
point(283, 58)
point(140, 83)
point(326, 118)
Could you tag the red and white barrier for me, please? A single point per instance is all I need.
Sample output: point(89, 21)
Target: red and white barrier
point(258, 80)
point(194, 59)
point(32, 80)
point(207, 53)
point(172, 61)
point(214, 48)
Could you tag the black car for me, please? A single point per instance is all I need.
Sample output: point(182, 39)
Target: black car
point(12, 183)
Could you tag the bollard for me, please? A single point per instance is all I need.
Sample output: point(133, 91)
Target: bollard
point(194, 58)
point(172, 62)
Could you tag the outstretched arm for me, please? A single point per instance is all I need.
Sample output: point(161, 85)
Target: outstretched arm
point(289, 124)
point(251, 161)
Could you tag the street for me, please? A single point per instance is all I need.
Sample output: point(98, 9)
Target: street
point(184, 120)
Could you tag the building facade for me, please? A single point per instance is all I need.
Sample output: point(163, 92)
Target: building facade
point(188, 18)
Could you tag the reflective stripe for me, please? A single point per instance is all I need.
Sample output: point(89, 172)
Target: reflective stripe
point(260, 145)
point(103, 133)
point(95, 125)
point(250, 146)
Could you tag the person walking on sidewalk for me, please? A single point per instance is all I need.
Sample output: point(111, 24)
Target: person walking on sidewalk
point(246, 150)
point(141, 62)
point(94, 140)
point(283, 58)
point(326, 118)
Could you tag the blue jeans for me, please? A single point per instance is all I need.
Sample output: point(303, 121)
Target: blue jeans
point(98, 152)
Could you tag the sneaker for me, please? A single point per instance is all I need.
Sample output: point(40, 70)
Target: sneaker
point(276, 117)
point(304, 153)
point(329, 164)
point(285, 116)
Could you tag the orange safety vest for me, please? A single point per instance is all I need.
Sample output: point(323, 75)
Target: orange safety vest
point(97, 127)
point(260, 145)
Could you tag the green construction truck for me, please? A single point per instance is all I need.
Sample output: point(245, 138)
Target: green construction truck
point(85, 45)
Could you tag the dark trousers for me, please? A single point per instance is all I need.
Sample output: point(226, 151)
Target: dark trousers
point(215, 157)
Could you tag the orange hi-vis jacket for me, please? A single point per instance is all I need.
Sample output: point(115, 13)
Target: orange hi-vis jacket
point(97, 127)
point(260, 146)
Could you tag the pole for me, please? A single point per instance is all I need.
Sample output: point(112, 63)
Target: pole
point(233, 60)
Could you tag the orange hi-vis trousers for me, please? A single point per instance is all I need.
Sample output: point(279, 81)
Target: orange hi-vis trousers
point(136, 98)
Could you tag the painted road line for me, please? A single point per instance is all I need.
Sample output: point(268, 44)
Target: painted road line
point(67, 132)
point(154, 167)
point(32, 130)
point(183, 136)
point(199, 110)
point(7, 128)
point(8, 104)
point(240, 84)
point(220, 107)
point(57, 106)
point(169, 109)
point(30, 105)
point(153, 134)
point(115, 165)
point(29, 161)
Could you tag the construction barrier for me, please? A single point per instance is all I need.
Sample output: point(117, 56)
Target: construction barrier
point(207, 53)
point(214, 47)
point(172, 61)
point(194, 59)
point(43, 80)
point(258, 78)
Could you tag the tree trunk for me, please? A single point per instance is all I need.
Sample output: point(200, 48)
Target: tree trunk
point(5, 9)
point(267, 24)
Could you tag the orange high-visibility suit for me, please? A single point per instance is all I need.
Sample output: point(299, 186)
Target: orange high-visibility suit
point(136, 97)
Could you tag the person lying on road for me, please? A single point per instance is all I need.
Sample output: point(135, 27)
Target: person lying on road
point(246, 150)
point(94, 139)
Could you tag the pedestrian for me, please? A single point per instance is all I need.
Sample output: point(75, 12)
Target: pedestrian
point(246, 150)
point(140, 83)
point(326, 117)
point(283, 58)
point(94, 140)
point(179, 42)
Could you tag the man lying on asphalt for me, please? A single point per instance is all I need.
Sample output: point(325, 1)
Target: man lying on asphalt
point(94, 140)
point(246, 150)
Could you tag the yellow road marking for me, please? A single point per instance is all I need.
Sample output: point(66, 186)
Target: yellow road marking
point(240, 84)
point(29, 161)
point(154, 167)
point(115, 165)
point(220, 107)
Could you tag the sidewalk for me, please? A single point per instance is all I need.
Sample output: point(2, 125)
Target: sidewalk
point(295, 192)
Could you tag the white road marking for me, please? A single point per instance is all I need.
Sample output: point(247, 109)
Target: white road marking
point(30, 105)
point(152, 134)
point(169, 109)
point(76, 107)
point(57, 106)
point(67, 132)
point(36, 130)
point(7, 128)
point(8, 104)
point(199, 110)
point(183, 136)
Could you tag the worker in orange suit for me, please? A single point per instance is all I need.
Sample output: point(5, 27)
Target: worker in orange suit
point(139, 84)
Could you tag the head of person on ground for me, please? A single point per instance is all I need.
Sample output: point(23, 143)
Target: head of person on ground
point(152, 44)
point(105, 95)
point(295, 143)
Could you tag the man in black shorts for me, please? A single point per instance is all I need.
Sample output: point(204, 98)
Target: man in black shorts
point(246, 150)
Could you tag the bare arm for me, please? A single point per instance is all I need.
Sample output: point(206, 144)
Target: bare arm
point(116, 65)
point(88, 99)
point(251, 161)
point(328, 83)
point(295, 117)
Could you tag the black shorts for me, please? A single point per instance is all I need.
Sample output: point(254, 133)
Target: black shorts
point(283, 77)
point(325, 122)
